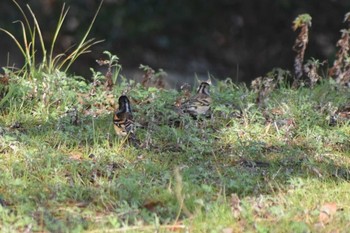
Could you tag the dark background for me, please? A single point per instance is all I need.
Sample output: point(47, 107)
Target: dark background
point(240, 39)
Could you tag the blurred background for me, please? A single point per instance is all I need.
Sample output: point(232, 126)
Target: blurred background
point(227, 38)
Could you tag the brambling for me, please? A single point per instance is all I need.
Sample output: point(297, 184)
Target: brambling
point(123, 118)
point(199, 104)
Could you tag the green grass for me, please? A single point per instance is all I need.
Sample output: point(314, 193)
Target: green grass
point(32, 42)
point(247, 169)
point(64, 176)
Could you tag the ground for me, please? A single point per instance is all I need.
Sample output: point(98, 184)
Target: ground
point(278, 166)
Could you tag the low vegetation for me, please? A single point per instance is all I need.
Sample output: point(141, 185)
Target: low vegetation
point(270, 159)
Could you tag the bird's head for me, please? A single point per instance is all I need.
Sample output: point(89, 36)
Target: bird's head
point(203, 88)
point(124, 103)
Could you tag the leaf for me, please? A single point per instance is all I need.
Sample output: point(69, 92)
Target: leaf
point(302, 20)
point(151, 205)
point(347, 17)
point(76, 156)
point(227, 230)
point(235, 205)
point(327, 212)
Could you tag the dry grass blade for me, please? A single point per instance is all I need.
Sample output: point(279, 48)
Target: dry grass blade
point(175, 227)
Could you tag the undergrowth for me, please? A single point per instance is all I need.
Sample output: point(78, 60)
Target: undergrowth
point(270, 159)
point(64, 169)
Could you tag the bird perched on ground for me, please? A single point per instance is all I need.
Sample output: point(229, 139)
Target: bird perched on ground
point(199, 104)
point(123, 118)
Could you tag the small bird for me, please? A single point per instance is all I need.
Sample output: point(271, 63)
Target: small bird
point(123, 118)
point(199, 104)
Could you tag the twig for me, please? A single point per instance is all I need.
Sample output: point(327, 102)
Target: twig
point(143, 228)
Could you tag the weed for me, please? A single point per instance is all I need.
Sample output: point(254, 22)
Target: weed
point(50, 62)
point(302, 22)
point(340, 68)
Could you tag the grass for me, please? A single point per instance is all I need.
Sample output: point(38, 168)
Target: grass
point(32, 37)
point(62, 174)
point(276, 166)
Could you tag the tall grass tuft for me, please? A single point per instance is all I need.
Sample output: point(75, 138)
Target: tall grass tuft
point(32, 36)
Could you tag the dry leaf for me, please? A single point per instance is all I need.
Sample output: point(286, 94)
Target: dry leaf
point(235, 205)
point(227, 230)
point(176, 227)
point(152, 204)
point(4, 80)
point(76, 156)
point(327, 211)
point(109, 80)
